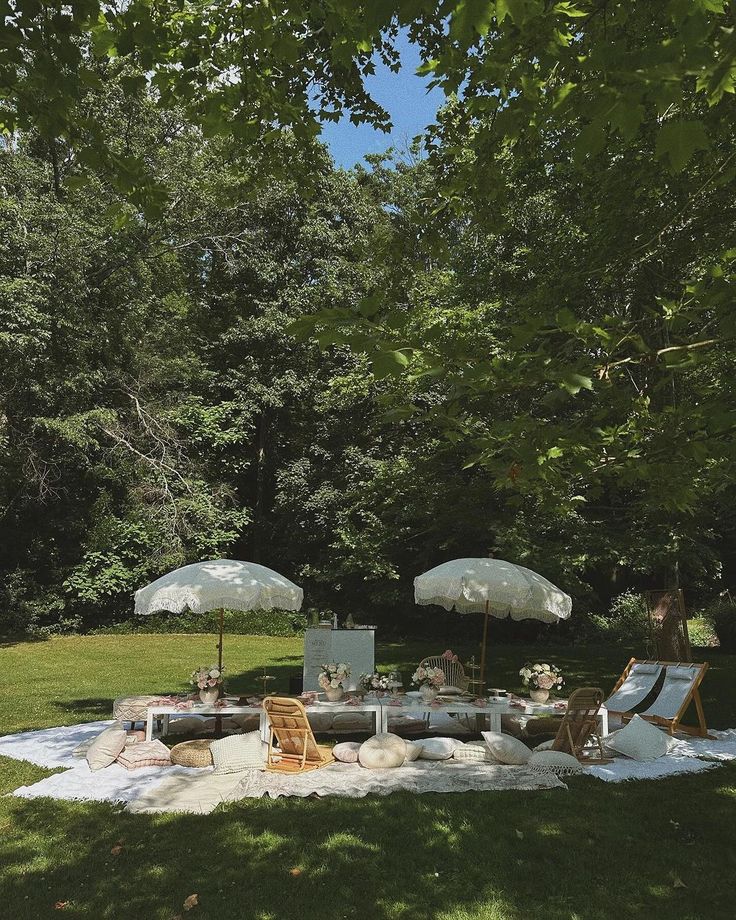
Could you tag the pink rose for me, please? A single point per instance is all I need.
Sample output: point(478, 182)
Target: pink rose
point(212, 682)
point(545, 682)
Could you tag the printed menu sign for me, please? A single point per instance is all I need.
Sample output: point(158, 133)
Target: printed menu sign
point(355, 647)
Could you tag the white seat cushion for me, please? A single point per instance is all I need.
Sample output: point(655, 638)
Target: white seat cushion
point(507, 749)
point(556, 762)
point(639, 740)
point(106, 747)
point(439, 748)
point(237, 752)
point(382, 750)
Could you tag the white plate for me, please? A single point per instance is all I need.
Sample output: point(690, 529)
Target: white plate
point(413, 693)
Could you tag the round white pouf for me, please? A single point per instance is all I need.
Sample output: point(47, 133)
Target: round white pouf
point(382, 750)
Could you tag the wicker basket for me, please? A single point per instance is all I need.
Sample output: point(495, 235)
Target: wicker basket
point(192, 754)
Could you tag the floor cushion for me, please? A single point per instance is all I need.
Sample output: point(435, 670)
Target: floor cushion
point(106, 747)
point(245, 721)
point(185, 725)
point(439, 748)
point(320, 721)
point(545, 725)
point(413, 750)
point(195, 754)
point(352, 722)
point(474, 751)
point(237, 752)
point(145, 754)
point(406, 724)
point(346, 751)
point(507, 749)
point(556, 762)
point(382, 750)
point(639, 740)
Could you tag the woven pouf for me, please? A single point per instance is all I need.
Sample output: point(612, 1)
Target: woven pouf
point(192, 754)
point(132, 708)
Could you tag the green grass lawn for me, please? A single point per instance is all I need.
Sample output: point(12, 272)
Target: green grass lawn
point(648, 849)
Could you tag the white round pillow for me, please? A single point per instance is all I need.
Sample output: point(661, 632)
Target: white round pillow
point(413, 750)
point(382, 750)
point(556, 762)
point(507, 749)
point(346, 751)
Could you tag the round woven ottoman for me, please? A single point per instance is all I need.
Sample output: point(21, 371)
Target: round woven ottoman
point(132, 708)
point(192, 754)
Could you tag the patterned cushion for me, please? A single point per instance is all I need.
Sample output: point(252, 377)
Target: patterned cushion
point(346, 751)
point(145, 754)
point(475, 752)
point(556, 762)
point(237, 752)
point(507, 749)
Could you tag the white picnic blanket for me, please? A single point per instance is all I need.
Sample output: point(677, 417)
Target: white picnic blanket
point(199, 790)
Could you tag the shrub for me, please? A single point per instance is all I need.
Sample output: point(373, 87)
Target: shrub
point(626, 620)
point(722, 617)
point(240, 622)
point(701, 632)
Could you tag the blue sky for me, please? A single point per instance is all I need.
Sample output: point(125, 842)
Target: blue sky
point(405, 98)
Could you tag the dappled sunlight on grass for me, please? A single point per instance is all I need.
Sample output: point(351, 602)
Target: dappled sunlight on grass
point(618, 849)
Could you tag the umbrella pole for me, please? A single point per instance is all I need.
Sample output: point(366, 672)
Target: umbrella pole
point(218, 719)
point(483, 652)
point(219, 644)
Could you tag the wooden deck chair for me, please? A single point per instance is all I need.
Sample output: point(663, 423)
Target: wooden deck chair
point(289, 727)
point(580, 724)
point(679, 688)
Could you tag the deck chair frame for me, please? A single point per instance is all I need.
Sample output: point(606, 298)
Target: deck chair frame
point(580, 724)
point(673, 725)
point(287, 721)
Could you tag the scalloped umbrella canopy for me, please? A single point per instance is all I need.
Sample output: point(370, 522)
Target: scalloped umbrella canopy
point(205, 586)
point(493, 587)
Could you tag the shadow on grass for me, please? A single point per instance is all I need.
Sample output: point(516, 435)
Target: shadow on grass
point(585, 853)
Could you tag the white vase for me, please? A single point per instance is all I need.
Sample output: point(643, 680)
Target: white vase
point(334, 694)
point(539, 696)
point(428, 693)
point(209, 695)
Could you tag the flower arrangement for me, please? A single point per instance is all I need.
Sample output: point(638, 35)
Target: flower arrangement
point(449, 655)
point(332, 675)
point(429, 677)
point(541, 676)
point(206, 677)
point(373, 682)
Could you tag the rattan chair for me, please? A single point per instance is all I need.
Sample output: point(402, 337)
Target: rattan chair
point(289, 727)
point(580, 724)
point(454, 674)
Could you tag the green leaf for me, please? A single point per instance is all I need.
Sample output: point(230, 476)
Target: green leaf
point(677, 141)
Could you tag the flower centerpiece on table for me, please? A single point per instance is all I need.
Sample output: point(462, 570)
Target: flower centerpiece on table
point(374, 683)
point(209, 681)
point(429, 681)
point(541, 678)
point(331, 679)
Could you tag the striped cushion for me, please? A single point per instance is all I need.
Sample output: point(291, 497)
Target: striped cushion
point(145, 754)
point(475, 752)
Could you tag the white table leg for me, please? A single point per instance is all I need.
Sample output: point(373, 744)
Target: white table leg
point(603, 714)
point(166, 724)
point(263, 725)
point(149, 725)
point(494, 720)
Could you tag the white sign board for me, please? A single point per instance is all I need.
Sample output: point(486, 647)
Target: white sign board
point(355, 647)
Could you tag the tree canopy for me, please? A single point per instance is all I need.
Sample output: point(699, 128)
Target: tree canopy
point(519, 338)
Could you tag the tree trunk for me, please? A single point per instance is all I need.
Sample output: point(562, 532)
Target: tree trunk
point(260, 497)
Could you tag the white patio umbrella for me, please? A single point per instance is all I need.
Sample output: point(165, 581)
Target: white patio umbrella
point(214, 585)
point(495, 588)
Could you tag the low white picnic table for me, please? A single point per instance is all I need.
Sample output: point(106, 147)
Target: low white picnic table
point(382, 709)
point(164, 711)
